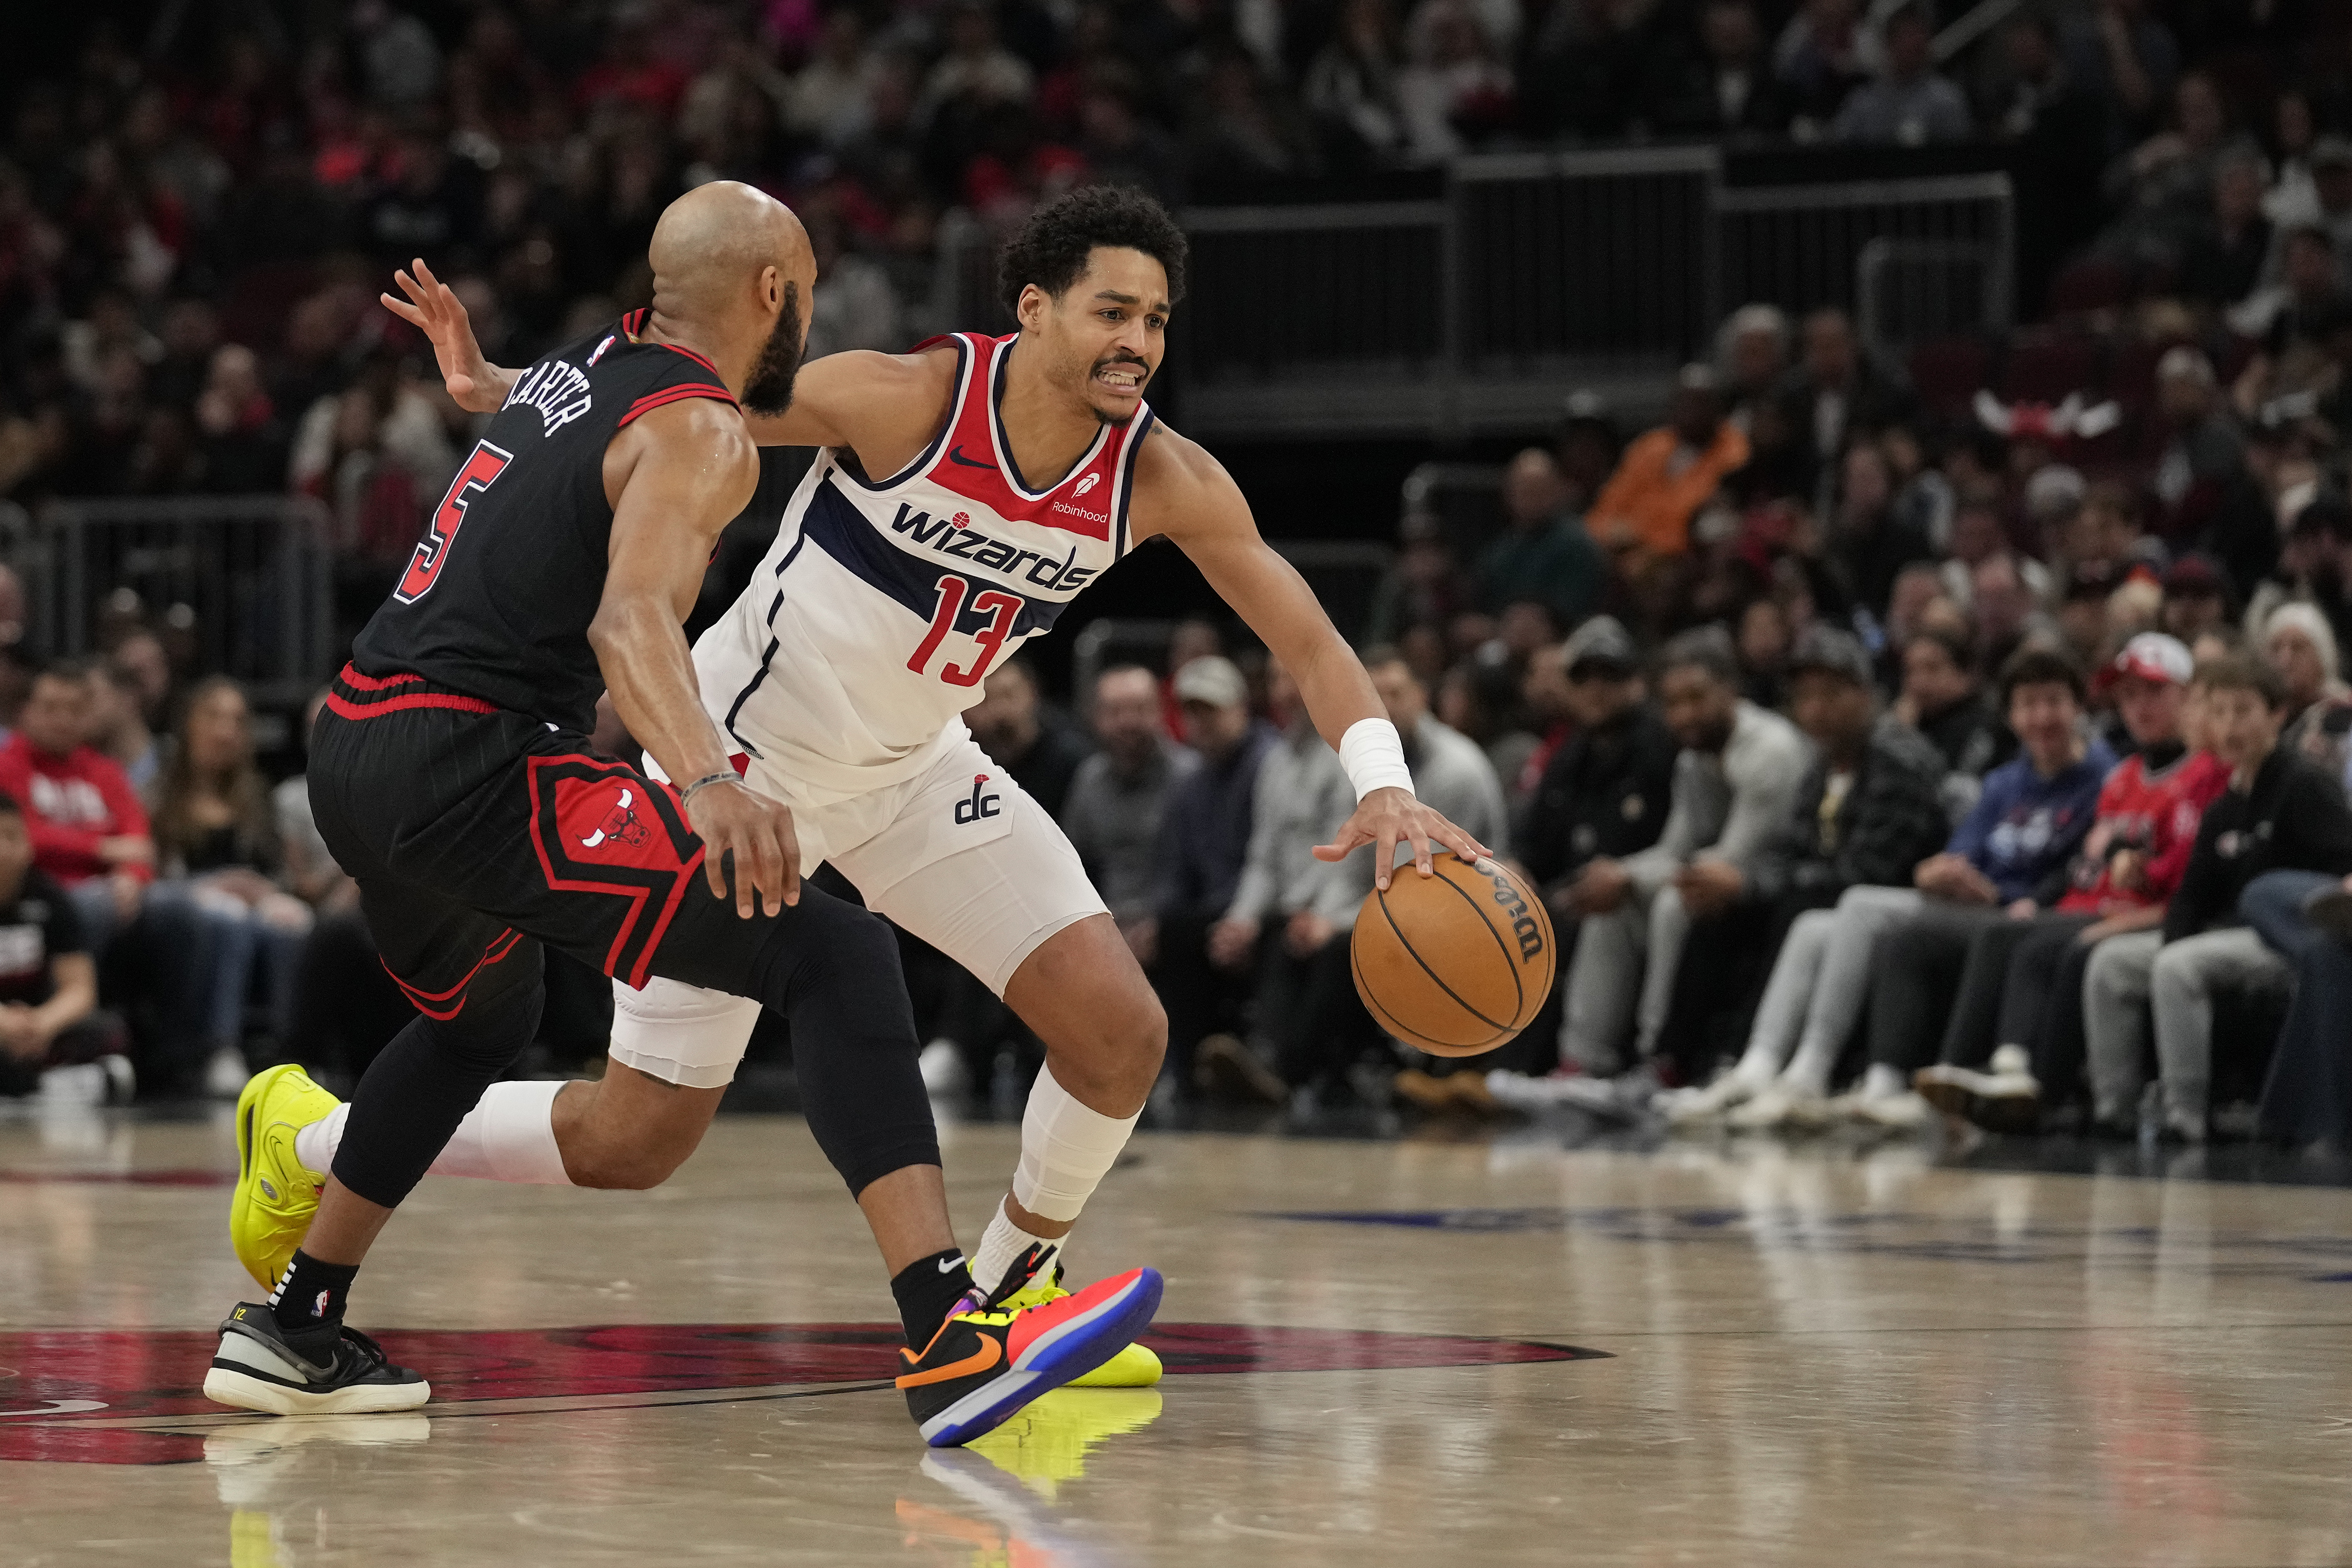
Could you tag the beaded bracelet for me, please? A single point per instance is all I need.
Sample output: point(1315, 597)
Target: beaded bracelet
point(686, 795)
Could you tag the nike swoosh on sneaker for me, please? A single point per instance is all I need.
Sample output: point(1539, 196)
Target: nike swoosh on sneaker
point(955, 455)
point(989, 1353)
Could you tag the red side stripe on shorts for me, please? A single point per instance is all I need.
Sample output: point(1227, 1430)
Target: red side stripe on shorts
point(423, 1001)
point(654, 400)
point(349, 709)
point(358, 682)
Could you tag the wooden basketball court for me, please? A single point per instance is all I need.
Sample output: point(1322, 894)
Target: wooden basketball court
point(1381, 1352)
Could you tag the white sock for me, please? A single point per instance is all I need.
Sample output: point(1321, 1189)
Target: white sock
point(1883, 1082)
point(1000, 1246)
point(509, 1137)
point(1066, 1150)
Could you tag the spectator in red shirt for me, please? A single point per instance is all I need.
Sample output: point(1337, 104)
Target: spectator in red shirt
point(89, 832)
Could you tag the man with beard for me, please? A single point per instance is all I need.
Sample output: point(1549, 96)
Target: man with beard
point(453, 777)
point(916, 555)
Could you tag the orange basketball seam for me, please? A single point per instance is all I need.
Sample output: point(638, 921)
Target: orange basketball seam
point(1510, 960)
point(1405, 943)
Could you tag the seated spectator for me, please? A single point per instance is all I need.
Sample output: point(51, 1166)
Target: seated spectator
point(1544, 553)
point(118, 729)
point(1978, 536)
point(2315, 566)
point(1823, 53)
point(2281, 813)
point(1423, 586)
point(2163, 188)
point(1668, 473)
point(2203, 456)
point(1764, 639)
point(2223, 261)
point(216, 837)
point(1035, 743)
point(1726, 92)
point(1909, 104)
point(1454, 90)
point(2305, 917)
point(1739, 771)
point(2196, 598)
point(1868, 812)
point(1450, 771)
point(89, 833)
point(2011, 859)
point(1289, 922)
point(2296, 322)
point(2299, 643)
point(49, 1021)
point(2124, 56)
point(1838, 390)
point(2023, 982)
point(1119, 797)
point(1204, 837)
point(1941, 700)
point(1350, 86)
point(1868, 544)
point(1479, 700)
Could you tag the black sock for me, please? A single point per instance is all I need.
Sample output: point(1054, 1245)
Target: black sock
point(926, 1290)
point(313, 1292)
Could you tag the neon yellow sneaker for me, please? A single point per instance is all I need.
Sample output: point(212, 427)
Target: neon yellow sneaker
point(276, 1196)
point(1134, 1367)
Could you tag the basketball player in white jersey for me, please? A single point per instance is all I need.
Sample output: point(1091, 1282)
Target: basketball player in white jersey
point(961, 496)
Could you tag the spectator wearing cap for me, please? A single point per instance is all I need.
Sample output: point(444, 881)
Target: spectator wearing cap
point(1738, 771)
point(1941, 697)
point(2009, 860)
point(1290, 920)
point(1604, 791)
point(2021, 997)
point(1204, 839)
point(2280, 813)
point(1544, 553)
point(2301, 646)
point(1868, 810)
point(1668, 473)
point(1909, 104)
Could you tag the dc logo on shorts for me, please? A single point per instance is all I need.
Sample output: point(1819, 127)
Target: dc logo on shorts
point(975, 806)
point(620, 825)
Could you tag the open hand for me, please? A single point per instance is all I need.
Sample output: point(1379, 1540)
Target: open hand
point(732, 818)
point(1387, 816)
point(434, 310)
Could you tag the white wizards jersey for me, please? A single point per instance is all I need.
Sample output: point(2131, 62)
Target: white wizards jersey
point(884, 604)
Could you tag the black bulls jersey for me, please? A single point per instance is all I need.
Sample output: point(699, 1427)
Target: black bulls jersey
point(497, 600)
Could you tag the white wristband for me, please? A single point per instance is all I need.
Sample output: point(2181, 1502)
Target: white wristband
point(1373, 754)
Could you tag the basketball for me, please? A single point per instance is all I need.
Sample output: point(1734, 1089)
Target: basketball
point(1455, 963)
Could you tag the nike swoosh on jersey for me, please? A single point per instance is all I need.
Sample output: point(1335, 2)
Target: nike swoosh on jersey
point(955, 455)
point(981, 1360)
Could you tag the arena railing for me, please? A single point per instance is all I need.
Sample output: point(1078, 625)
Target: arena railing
point(1535, 275)
point(254, 569)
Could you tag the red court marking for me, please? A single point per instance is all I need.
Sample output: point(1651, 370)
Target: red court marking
point(159, 1374)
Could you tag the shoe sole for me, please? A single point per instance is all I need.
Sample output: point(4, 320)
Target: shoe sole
point(244, 1390)
point(1135, 1367)
point(1067, 1351)
point(1993, 1112)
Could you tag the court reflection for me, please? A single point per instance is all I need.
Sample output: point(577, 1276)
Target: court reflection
point(279, 1478)
point(1001, 1499)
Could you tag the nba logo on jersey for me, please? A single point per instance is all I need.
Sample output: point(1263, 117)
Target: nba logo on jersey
point(976, 805)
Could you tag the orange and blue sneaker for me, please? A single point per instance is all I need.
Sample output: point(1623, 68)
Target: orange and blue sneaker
point(986, 1362)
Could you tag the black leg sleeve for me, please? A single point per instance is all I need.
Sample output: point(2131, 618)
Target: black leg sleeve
point(433, 1072)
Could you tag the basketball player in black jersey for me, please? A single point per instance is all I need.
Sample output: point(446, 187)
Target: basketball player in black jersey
point(451, 776)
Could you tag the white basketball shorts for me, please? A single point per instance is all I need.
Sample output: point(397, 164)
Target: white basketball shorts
point(959, 855)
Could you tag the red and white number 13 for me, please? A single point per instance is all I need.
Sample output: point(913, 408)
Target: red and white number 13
point(999, 606)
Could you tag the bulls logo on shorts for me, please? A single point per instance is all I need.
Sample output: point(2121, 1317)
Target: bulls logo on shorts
point(621, 825)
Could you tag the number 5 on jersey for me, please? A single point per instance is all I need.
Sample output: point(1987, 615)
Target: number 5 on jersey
point(484, 464)
point(999, 606)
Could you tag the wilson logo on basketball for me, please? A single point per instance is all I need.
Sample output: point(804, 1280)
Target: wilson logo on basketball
point(1523, 924)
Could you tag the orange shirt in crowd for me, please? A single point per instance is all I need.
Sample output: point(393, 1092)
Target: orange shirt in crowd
point(1650, 500)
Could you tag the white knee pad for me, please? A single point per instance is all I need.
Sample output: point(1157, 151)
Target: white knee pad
point(681, 1034)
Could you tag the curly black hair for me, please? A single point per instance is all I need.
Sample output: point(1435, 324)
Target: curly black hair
point(1051, 249)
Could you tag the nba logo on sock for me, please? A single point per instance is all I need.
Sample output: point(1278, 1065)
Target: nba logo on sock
point(318, 1307)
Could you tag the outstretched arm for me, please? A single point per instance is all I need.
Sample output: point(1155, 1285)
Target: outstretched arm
point(676, 478)
point(1185, 493)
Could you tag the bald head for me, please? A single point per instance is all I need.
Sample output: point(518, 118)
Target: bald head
point(732, 272)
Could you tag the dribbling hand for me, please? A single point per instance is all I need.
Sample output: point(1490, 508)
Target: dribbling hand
point(432, 309)
point(732, 819)
point(1384, 817)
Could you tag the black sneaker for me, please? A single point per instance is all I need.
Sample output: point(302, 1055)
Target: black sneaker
point(986, 1362)
point(326, 1370)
